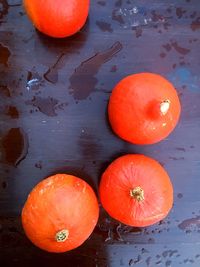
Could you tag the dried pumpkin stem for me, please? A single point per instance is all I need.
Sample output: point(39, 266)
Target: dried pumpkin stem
point(164, 106)
point(137, 193)
point(62, 236)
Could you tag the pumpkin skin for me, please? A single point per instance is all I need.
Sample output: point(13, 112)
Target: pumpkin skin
point(60, 18)
point(60, 213)
point(136, 190)
point(144, 108)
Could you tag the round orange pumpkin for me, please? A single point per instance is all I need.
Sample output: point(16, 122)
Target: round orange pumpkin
point(57, 18)
point(144, 108)
point(136, 190)
point(60, 213)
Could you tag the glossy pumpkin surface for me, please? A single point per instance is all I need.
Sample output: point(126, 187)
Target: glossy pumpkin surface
point(136, 190)
point(144, 108)
point(60, 18)
point(60, 213)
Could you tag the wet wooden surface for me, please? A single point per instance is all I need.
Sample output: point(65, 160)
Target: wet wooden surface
point(53, 100)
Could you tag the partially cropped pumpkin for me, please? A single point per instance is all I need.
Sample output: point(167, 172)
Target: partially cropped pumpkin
point(57, 18)
point(60, 213)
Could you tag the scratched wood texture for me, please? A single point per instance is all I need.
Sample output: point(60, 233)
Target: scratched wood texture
point(53, 102)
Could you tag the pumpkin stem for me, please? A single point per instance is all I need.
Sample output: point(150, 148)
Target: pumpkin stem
point(164, 106)
point(62, 236)
point(159, 108)
point(137, 193)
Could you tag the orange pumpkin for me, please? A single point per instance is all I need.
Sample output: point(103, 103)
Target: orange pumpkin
point(144, 108)
point(60, 213)
point(136, 190)
point(57, 18)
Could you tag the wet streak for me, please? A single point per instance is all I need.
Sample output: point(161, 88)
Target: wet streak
point(83, 80)
point(52, 73)
point(179, 49)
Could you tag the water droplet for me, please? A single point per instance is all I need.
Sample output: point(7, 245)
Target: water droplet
point(179, 195)
point(148, 261)
point(165, 253)
point(38, 165)
point(172, 252)
point(131, 262)
point(151, 240)
point(113, 68)
point(144, 250)
point(135, 10)
point(168, 263)
point(33, 81)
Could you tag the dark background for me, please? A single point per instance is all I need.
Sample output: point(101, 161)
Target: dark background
point(53, 100)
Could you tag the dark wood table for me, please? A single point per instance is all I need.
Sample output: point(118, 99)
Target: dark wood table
point(53, 105)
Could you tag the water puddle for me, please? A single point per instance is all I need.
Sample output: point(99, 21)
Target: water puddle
point(186, 224)
point(12, 112)
point(15, 146)
point(4, 55)
point(104, 26)
point(5, 91)
point(45, 105)
point(3, 9)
